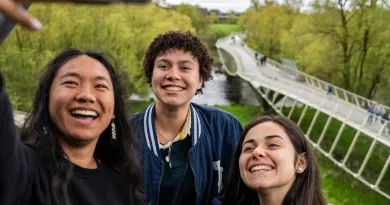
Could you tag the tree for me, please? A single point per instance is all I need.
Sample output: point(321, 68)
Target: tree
point(123, 31)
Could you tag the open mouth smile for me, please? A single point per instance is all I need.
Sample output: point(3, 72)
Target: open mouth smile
point(261, 168)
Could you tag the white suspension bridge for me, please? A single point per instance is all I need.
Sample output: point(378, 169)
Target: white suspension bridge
point(284, 87)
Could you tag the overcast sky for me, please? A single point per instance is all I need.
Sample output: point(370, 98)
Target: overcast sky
point(222, 5)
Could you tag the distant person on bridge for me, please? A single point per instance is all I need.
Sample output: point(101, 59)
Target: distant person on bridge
point(77, 146)
point(263, 60)
point(273, 164)
point(186, 148)
point(257, 57)
point(330, 90)
point(371, 113)
point(385, 117)
point(234, 39)
point(378, 110)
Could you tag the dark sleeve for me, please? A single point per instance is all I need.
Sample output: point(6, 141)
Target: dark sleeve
point(232, 129)
point(13, 173)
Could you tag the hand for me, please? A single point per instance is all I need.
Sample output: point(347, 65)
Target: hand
point(14, 11)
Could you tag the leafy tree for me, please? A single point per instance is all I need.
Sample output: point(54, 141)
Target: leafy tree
point(123, 31)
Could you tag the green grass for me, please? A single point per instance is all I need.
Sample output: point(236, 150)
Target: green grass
point(244, 113)
point(226, 28)
point(339, 187)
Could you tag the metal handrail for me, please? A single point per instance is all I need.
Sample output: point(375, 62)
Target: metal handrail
point(354, 98)
point(306, 95)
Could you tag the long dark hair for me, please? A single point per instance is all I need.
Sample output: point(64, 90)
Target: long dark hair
point(306, 188)
point(39, 131)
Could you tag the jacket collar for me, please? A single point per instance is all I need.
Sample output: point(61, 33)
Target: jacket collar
point(150, 129)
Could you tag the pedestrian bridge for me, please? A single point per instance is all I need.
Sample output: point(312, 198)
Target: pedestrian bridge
point(362, 149)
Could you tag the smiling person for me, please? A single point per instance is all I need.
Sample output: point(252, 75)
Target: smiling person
point(186, 149)
point(78, 148)
point(273, 165)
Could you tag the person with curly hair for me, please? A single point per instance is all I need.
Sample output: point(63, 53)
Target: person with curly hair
point(186, 149)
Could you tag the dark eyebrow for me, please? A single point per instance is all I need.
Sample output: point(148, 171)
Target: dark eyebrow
point(71, 74)
point(187, 61)
point(273, 136)
point(267, 138)
point(102, 78)
point(249, 141)
point(163, 60)
point(168, 61)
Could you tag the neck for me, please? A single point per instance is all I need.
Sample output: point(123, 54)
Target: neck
point(170, 120)
point(81, 155)
point(272, 196)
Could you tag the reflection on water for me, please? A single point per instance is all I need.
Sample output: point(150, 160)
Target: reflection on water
point(222, 90)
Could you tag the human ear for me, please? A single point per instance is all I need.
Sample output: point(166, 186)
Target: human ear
point(200, 82)
point(301, 163)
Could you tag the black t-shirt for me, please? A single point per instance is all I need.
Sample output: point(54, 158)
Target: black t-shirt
point(177, 185)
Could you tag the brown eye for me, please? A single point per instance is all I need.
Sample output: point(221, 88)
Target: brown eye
point(273, 145)
point(70, 83)
point(164, 67)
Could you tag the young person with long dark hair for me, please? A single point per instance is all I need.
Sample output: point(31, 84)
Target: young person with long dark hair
point(78, 147)
point(273, 165)
point(186, 149)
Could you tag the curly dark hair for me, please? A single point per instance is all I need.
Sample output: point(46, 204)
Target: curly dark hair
point(179, 40)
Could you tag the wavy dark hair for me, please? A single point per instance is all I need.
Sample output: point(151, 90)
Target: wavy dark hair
point(306, 188)
point(41, 133)
point(179, 40)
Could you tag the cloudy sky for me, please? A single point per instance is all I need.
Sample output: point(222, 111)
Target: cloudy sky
point(222, 5)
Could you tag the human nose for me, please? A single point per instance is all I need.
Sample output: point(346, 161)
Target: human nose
point(259, 152)
point(173, 73)
point(86, 95)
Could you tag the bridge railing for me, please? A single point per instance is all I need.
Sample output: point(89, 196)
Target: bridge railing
point(322, 85)
point(333, 145)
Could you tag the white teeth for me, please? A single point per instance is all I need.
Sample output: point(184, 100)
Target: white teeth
point(261, 168)
point(85, 112)
point(173, 88)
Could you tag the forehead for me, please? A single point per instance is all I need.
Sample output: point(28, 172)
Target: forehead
point(176, 55)
point(85, 66)
point(262, 130)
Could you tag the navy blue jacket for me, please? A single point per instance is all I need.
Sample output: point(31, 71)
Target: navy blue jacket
point(214, 135)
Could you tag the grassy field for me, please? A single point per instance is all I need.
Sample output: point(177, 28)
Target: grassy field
point(339, 188)
point(226, 28)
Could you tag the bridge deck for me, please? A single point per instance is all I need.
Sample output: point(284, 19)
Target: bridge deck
point(352, 115)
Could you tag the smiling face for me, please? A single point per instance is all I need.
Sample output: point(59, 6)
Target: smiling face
point(267, 159)
point(81, 103)
point(175, 78)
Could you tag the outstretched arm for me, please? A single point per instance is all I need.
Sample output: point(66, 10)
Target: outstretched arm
point(12, 158)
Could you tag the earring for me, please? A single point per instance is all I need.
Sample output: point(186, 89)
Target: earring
point(113, 130)
point(300, 169)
